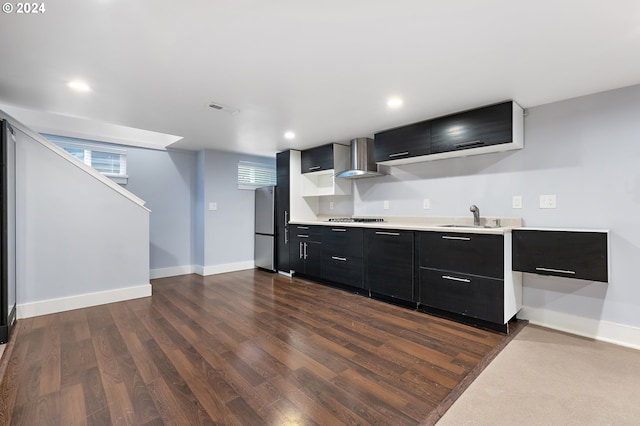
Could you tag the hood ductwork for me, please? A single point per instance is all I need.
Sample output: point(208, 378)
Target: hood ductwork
point(362, 162)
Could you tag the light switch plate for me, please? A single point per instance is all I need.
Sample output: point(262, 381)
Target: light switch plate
point(330, 205)
point(426, 204)
point(385, 204)
point(213, 206)
point(516, 202)
point(548, 201)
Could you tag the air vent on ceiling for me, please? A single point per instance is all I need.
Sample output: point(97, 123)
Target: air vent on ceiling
point(225, 108)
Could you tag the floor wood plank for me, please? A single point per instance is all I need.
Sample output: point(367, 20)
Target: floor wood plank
point(247, 347)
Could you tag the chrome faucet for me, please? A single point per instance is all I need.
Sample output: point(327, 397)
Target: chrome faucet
point(476, 214)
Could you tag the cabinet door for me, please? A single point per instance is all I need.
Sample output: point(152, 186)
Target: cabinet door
point(470, 295)
point(342, 255)
point(477, 254)
point(480, 127)
point(316, 159)
point(282, 210)
point(569, 254)
point(389, 263)
point(313, 257)
point(402, 142)
point(296, 253)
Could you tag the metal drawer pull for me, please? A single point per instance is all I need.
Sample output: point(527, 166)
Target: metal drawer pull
point(305, 251)
point(302, 236)
point(314, 168)
point(471, 143)
point(462, 280)
point(341, 259)
point(395, 234)
point(556, 270)
point(303, 227)
point(300, 244)
point(398, 154)
point(338, 230)
point(447, 237)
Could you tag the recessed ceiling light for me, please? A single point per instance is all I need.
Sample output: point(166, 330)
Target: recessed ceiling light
point(289, 135)
point(394, 102)
point(78, 86)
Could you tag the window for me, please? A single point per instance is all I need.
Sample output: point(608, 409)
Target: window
point(254, 175)
point(107, 159)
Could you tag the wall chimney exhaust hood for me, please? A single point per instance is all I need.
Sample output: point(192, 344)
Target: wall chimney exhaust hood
point(362, 162)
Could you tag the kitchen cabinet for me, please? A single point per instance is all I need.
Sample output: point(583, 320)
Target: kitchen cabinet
point(283, 209)
point(389, 263)
point(462, 273)
point(342, 255)
point(319, 166)
point(305, 249)
point(472, 129)
point(402, 142)
point(562, 253)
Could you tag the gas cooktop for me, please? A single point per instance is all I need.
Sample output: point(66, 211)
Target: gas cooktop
point(356, 219)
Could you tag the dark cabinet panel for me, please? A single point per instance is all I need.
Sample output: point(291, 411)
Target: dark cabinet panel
point(570, 254)
point(283, 160)
point(305, 250)
point(402, 142)
point(342, 255)
point(316, 159)
point(480, 127)
point(389, 263)
point(477, 254)
point(478, 297)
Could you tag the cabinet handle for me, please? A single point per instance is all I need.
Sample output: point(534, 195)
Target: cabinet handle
point(300, 245)
point(286, 227)
point(466, 144)
point(305, 250)
point(561, 271)
point(462, 280)
point(395, 234)
point(314, 168)
point(338, 230)
point(302, 236)
point(448, 237)
point(398, 154)
point(303, 227)
point(341, 259)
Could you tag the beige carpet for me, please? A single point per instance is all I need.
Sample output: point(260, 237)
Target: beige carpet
point(545, 377)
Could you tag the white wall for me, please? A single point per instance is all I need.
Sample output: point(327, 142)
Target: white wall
point(80, 241)
point(584, 150)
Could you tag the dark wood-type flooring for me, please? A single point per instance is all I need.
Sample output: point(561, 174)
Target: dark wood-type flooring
point(244, 348)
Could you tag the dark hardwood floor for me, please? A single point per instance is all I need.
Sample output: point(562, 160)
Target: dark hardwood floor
point(244, 348)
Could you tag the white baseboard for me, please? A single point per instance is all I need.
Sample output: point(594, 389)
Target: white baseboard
point(619, 334)
point(221, 269)
point(52, 306)
point(171, 272)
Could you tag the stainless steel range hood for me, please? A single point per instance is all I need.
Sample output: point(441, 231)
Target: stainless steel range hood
point(362, 162)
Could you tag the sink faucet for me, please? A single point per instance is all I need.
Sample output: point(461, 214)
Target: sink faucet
point(476, 214)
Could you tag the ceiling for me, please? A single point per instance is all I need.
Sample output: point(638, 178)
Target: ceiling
point(322, 69)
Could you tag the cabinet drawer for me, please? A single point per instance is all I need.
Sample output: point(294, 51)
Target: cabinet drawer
point(309, 232)
point(342, 240)
point(570, 254)
point(317, 159)
point(342, 269)
point(402, 142)
point(476, 254)
point(480, 127)
point(478, 297)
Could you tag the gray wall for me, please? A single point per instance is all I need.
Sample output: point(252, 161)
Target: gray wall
point(75, 235)
point(166, 180)
point(584, 150)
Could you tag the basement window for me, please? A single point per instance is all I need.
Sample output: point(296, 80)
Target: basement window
point(254, 175)
point(108, 160)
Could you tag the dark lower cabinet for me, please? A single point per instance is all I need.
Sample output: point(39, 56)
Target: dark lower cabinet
point(342, 256)
point(305, 250)
point(469, 295)
point(389, 263)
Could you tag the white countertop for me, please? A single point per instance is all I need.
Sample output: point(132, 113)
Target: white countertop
point(425, 224)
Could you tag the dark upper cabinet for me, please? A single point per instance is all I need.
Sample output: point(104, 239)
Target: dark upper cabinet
point(389, 263)
point(342, 255)
point(317, 159)
point(402, 142)
point(283, 210)
point(480, 127)
point(569, 254)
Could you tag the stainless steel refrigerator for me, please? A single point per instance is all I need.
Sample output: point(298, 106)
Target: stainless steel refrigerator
point(265, 242)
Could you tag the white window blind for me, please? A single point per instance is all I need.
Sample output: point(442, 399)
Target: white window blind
point(108, 160)
point(254, 175)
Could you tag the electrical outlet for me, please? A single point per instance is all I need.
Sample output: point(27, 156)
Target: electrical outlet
point(385, 204)
point(516, 202)
point(213, 206)
point(330, 205)
point(426, 204)
point(548, 201)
